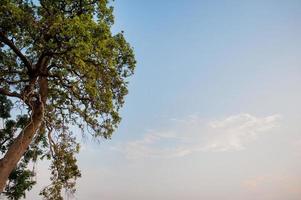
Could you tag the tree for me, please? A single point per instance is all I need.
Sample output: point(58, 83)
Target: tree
point(60, 61)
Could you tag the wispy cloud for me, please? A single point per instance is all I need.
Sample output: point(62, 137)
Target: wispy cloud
point(234, 132)
point(193, 134)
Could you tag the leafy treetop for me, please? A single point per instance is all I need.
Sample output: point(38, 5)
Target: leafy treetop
point(71, 44)
point(62, 55)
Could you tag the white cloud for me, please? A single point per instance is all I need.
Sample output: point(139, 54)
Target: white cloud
point(234, 132)
point(186, 136)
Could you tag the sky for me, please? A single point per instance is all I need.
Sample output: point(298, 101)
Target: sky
point(213, 110)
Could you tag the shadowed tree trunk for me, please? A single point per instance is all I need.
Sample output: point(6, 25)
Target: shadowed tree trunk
point(20, 145)
point(22, 142)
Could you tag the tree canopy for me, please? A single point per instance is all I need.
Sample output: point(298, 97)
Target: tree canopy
point(60, 61)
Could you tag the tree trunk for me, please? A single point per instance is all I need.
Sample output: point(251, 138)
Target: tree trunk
point(20, 145)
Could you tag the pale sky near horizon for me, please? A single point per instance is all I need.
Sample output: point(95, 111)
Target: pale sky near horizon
point(213, 110)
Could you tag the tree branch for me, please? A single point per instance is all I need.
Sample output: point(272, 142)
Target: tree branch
point(4, 141)
point(10, 94)
point(9, 43)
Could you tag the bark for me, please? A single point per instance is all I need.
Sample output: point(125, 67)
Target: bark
point(20, 144)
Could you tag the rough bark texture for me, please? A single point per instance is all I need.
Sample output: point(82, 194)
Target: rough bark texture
point(20, 145)
point(22, 142)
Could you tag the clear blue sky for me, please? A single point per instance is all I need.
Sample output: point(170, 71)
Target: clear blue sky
point(214, 106)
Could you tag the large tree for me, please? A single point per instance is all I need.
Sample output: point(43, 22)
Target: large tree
point(61, 63)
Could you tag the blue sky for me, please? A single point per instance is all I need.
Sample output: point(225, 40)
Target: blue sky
point(213, 110)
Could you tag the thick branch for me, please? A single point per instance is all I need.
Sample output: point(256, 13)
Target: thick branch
point(9, 43)
point(10, 94)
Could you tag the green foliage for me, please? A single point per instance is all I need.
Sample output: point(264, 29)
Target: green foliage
point(64, 170)
point(70, 43)
point(20, 180)
point(5, 107)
